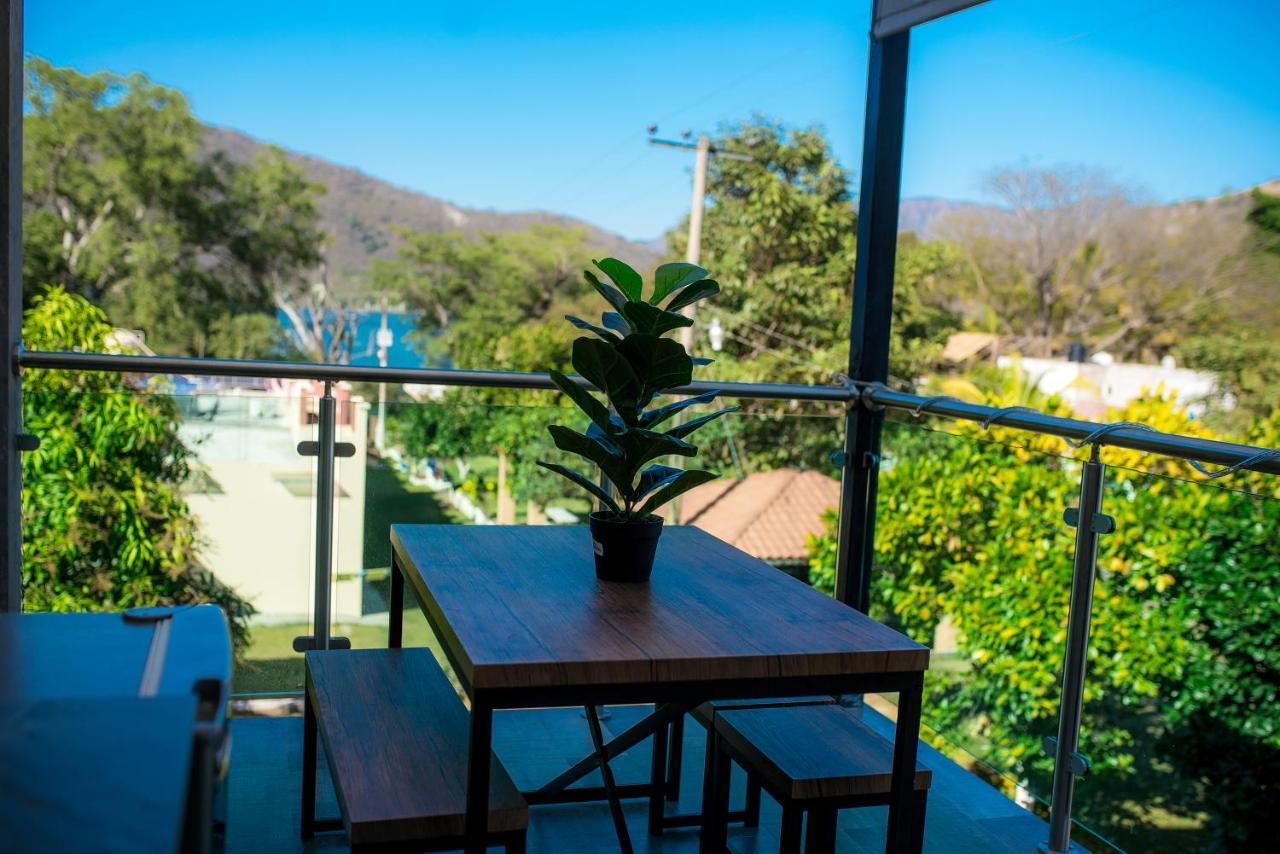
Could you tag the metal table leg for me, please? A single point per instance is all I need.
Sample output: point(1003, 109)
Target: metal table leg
point(480, 749)
point(902, 802)
point(615, 805)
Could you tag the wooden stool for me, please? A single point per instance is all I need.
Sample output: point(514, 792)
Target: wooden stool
point(395, 734)
point(811, 759)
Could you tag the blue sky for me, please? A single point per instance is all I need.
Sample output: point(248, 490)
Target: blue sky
point(543, 105)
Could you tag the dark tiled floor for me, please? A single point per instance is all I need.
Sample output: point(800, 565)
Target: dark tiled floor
point(965, 814)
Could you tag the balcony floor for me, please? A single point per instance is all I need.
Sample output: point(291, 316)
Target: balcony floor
point(965, 814)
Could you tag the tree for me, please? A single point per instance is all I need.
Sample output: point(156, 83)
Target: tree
point(969, 527)
point(495, 300)
point(122, 207)
point(105, 525)
point(1068, 255)
point(779, 235)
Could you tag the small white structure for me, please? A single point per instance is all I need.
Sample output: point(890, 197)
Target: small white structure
point(1091, 387)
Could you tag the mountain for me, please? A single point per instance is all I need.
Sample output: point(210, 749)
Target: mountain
point(921, 214)
point(358, 210)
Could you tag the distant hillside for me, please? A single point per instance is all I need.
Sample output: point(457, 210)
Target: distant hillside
point(358, 210)
point(920, 215)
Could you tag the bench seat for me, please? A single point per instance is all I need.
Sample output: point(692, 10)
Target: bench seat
point(812, 752)
point(395, 734)
point(814, 759)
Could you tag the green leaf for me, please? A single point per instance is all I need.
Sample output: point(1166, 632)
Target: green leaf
point(639, 446)
point(657, 416)
point(678, 486)
point(682, 430)
point(673, 277)
point(658, 364)
point(604, 453)
point(615, 297)
point(606, 334)
point(584, 400)
point(649, 320)
point(616, 322)
point(627, 279)
point(583, 481)
point(693, 293)
point(604, 367)
point(655, 477)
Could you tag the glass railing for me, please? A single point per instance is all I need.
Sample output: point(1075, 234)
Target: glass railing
point(975, 558)
point(163, 495)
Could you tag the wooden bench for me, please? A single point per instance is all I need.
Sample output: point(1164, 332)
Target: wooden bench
point(395, 734)
point(668, 758)
point(815, 759)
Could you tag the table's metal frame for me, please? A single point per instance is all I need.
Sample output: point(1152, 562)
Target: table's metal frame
point(669, 697)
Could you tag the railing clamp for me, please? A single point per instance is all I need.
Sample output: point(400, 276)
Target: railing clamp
point(838, 459)
point(312, 449)
point(302, 643)
point(26, 442)
point(871, 461)
point(1078, 764)
point(1101, 523)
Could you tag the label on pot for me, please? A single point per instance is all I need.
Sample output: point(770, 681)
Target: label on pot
point(599, 546)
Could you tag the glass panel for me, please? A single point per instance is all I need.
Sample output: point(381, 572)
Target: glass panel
point(183, 492)
point(975, 559)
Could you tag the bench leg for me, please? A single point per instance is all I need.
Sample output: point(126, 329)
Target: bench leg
point(308, 764)
point(821, 836)
point(658, 781)
point(676, 759)
point(752, 810)
point(395, 619)
point(792, 827)
point(479, 758)
point(516, 846)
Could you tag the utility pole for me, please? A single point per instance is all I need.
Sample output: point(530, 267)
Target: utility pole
point(702, 150)
point(384, 341)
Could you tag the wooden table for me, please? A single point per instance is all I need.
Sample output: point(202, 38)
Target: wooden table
point(526, 624)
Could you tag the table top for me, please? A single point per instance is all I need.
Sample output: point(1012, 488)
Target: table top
point(521, 607)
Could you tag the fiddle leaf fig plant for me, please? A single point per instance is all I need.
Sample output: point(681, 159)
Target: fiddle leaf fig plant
point(627, 359)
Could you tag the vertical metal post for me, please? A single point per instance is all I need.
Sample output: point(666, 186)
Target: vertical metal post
point(324, 518)
point(1089, 522)
point(11, 310)
point(872, 309)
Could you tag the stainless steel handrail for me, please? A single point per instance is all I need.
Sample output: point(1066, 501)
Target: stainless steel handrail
point(1134, 438)
point(59, 360)
point(871, 395)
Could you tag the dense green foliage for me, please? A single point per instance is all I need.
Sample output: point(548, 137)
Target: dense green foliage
point(631, 362)
point(122, 206)
point(105, 524)
point(970, 528)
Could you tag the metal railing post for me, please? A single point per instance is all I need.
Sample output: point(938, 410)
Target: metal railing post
point(1068, 764)
point(326, 435)
point(326, 448)
point(11, 308)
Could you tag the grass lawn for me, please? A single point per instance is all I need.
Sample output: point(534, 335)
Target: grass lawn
point(270, 665)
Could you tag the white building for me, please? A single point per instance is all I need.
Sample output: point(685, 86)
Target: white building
point(1091, 387)
point(253, 494)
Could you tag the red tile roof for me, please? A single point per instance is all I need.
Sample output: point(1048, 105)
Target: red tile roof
point(768, 514)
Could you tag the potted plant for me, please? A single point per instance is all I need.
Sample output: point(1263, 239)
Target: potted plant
point(628, 359)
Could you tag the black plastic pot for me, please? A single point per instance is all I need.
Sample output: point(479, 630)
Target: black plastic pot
point(624, 550)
